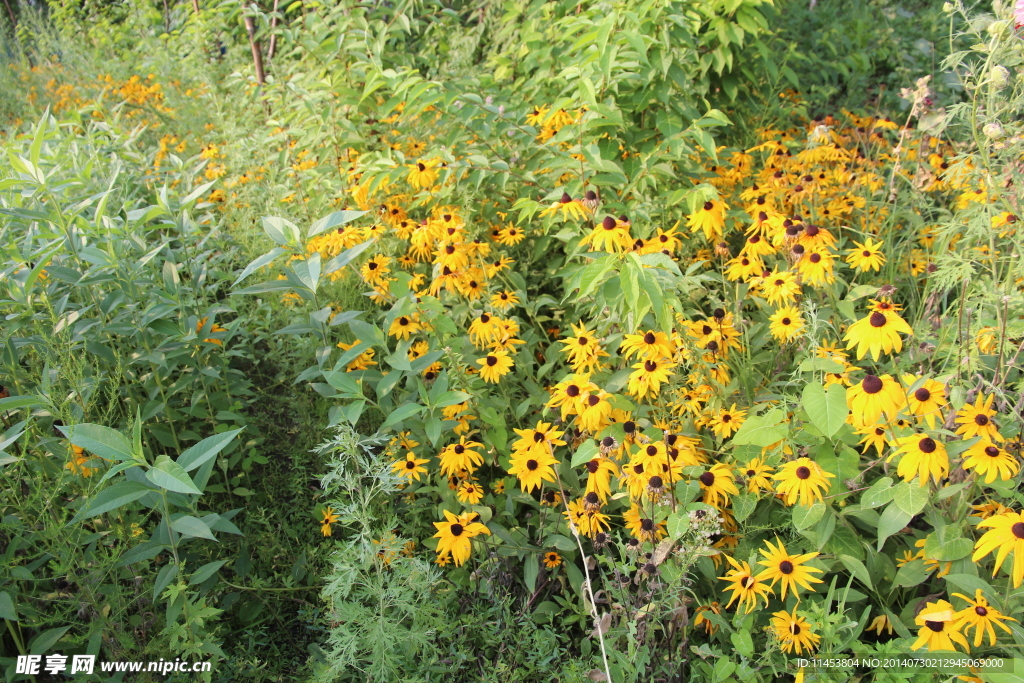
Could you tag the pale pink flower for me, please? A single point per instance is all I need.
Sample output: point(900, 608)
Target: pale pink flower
point(1018, 13)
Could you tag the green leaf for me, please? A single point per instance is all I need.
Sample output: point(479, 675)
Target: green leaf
point(281, 230)
point(970, 584)
point(820, 365)
point(140, 553)
point(530, 570)
point(208, 448)
point(206, 571)
point(892, 520)
point(42, 643)
point(743, 505)
point(880, 493)
point(804, 516)
point(910, 498)
point(743, 643)
point(762, 430)
point(102, 441)
point(592, 274)
point(187, 525)
point(112, 498)
point(913, 573)
point(826, 408)
point(333, 220)
point(7, 609)
point(169, 475)
point(585, 453)
point(258, 263)
point(401, 413)
point(163, 579)
point(857, 568)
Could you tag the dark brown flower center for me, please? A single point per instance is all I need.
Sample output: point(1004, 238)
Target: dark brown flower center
point(647, 524)
point(652, 450)
point(786, 567)
point(593, 401)
point(1018, 530)
point(815, 257)
point(871, 384)
point(803, 472)
point(492, 361)
point(980, 611)
point(708, 206)
point(707, 478)
point(572, 391)
point(877, 319)
point(456, 529)
point(459, 449)
point(650, 366)
point(656, 482)
point(591, 498)
point(934, 625)
point(991, 451)
point(927, 445)
point(794, 628)
point(922, 394)
point(786, 321)
point(751, 473)
point(532, 465)
point(592, 466)
point(981, 420)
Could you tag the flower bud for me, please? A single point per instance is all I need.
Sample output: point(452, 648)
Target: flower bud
point(1000, 76)
point(993, 129)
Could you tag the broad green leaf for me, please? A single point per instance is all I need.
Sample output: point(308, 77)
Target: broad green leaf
point(857, 568)
point(171, 476)
point(585, 453)
point(762, 430)
point(163, 579)
point(892, 521)
point(880, 493)
point(743, 505)
point(7, 609)
point(806, 515)
point(910, 498)
point(281, 230)
point(258, 263)
point(530, 571)
point(42, 643)
point(333, 220)
point(826, 408)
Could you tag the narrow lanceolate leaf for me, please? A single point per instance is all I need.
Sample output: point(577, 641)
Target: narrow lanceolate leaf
point(826, 407)
point(204, 450)
point(187, 525)
point(112, 498)
point(587, 452)
point(169, 475)
point(333, 220)
point(259, 262)
point(402, 413)
point(102, 441)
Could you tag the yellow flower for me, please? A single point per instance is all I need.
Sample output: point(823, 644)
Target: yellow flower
point(803, 481)
point(939, 629)
point(878, 332)
point(923, 457)
point(789, 569)
point(455, 534)
point(495, 365)
point(1005, 535)
point(329, 518)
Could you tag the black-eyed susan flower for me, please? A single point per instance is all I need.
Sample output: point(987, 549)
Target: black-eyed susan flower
point(455, 534)
point(786, 324)
point(403, 327)
point(709, 219)
point(328, 517)
point(976, 420)
point(410, 467)
point(460, 456)
point(701, 617)
point(583, 349)
point(423, 174)
point(871, 397)
point(938, 628)
point(510, 235)
point(867, 256)
point(494, 366)
point(927, 400)
point(779, 287)
point(990, 461)
point(1005, 535)
point(469, 492)
point(642, 527)
point(874, 437)
point(504, 300)
point(877, 333)
point(650, 345)
point(610, 235)
point(595, 412)
point(599, 475)
point(552, 559)
point(540, 439)
point(648, 376)
point(570, 394)
point(980, 616)
point(588, 521)
point(789, 570)
point(360, 362)
point(375, 270)
point(757, 475)
point(794, 632)
point(566, 207)
point(533, 468)
point(745, 587)
point(77, 463)
point(879, 624)
point(727, 421)
point(717, 484)
point(922, 457)
point(214, 328)
point(802, 481)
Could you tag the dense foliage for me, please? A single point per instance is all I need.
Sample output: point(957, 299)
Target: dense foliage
point(472, 341)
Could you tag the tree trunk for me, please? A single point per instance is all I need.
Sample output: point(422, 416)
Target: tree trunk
point(272, 50)
point(257, 51)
